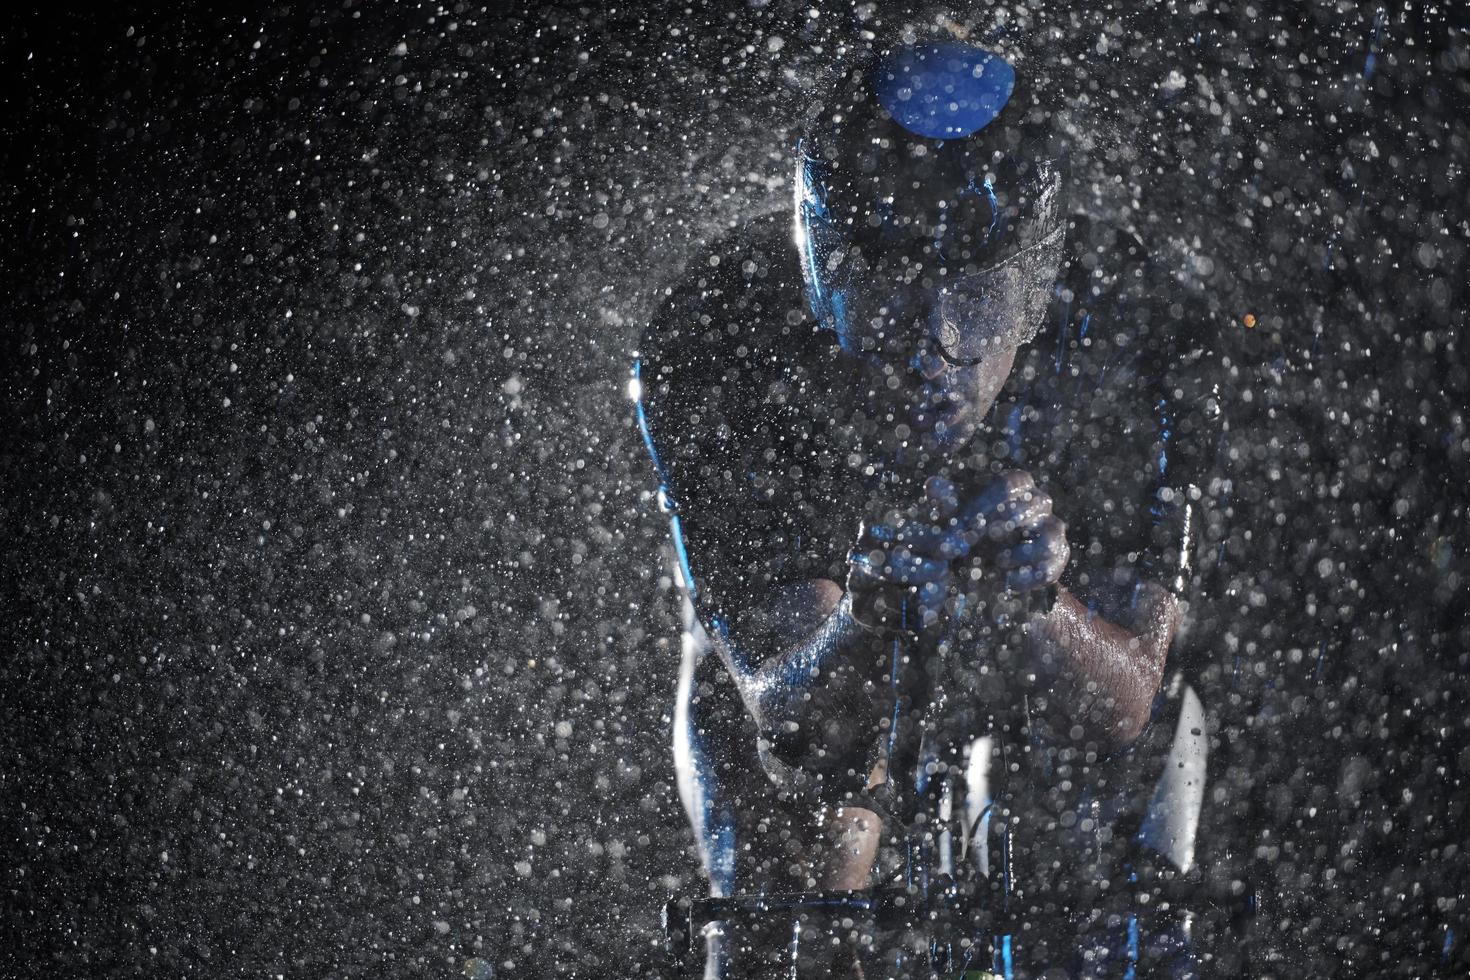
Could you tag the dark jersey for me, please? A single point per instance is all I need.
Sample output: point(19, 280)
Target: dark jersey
point(768, 454)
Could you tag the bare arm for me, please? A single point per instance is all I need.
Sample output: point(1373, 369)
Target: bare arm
point(812, 689)
point(814, 680)
point(1103, 676)
point(1099, 670)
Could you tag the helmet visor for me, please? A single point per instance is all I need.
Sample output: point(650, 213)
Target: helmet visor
point(873, 280)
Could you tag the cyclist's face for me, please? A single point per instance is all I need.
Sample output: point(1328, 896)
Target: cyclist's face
point(940, 400)
point(937, 342)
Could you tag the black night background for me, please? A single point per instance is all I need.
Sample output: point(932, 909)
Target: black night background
point(338, 638)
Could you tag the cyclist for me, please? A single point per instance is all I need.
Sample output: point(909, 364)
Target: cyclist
point(955, 415)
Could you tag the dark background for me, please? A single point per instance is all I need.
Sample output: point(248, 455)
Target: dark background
point(339, 643)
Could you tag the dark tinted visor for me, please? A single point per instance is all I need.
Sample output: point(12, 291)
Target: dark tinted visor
point(851, 276)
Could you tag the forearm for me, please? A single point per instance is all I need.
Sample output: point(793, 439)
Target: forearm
point(1103, 676)
point(817, 690)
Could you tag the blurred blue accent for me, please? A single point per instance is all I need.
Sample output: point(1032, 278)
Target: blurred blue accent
point(676, 531)
point(895, 658)
point(994, 206)
point(809, 256)
point(666, 500)
point(838, 305)
point(944, 91)
point(643, 424)
point(1165, 424)
point(719, 843)
point(1132, 972)
point(1013, 431)
point(1371, 61)
point(826, 287)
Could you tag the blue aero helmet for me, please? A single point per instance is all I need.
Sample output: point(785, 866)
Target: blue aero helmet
point(929, 209)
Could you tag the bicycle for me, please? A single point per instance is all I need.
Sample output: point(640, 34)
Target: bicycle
point(958, 908)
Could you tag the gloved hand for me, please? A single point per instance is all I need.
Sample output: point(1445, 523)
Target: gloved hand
point(900, 573)
point(1013, 540)
point(909, 565)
